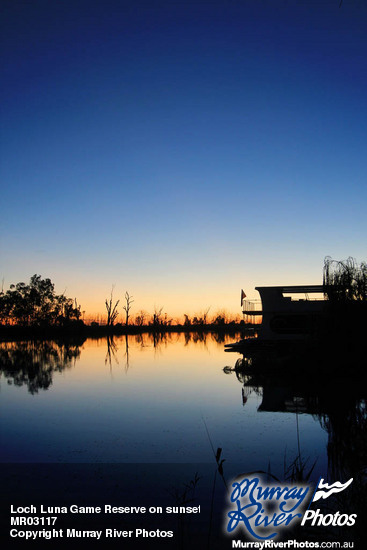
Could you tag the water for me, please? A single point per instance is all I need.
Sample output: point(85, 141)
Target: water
point(138, 420)
point(136, 400)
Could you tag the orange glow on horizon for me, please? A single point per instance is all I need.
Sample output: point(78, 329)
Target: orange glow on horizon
point(172, 306)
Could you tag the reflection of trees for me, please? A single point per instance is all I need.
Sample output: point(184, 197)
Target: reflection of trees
point(111, 351)
point(33, 363)
point(196, 337)
point(339, 403)
point(220, 337)
point(140, 339)
point(161, 340)
point(343, 414)
point(345, 420)
point(127, 364)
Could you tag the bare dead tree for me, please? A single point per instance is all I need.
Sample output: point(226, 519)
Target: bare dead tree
point(205, 316)
point(112, 312)
point(127, 306)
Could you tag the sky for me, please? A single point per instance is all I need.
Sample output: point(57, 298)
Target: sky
point(181, 150)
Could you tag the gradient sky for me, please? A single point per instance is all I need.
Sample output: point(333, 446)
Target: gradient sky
point(181, 150)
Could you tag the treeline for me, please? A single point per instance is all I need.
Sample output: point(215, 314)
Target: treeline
point(144, 319)
point(159, 318)
point(37, 305)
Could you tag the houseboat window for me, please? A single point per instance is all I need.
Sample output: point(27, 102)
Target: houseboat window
point(303, 296)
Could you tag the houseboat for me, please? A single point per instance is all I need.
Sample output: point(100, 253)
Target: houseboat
point(284, 313)
point(287, 312)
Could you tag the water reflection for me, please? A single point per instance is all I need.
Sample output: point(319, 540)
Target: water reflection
point(186, 384)
point(157, 340)
point(165, 399)
point(112, 350)
point(111, 354)
point(33, 364)
point(338, 403)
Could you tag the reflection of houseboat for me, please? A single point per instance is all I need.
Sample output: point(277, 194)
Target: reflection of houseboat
point(288, 312)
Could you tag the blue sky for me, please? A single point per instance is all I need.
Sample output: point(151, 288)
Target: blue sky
point(181, 150)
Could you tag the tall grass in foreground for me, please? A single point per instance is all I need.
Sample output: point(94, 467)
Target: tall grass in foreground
point(345, 323)
point(345, 281)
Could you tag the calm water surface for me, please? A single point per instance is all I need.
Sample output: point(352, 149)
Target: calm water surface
point(134, 399)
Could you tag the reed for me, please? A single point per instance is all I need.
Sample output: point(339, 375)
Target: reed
point(345, 281)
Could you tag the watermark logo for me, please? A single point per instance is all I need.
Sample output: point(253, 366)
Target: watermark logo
point(323, 490)
point(263, 510)
point(315, 518)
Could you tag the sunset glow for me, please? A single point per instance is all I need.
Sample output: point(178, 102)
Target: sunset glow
point(181, 151)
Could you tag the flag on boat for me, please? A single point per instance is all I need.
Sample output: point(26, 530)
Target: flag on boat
point(243, 296)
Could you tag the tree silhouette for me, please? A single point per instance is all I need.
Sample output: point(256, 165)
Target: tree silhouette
point(127, 306)
point(36, 304)
point(111, 308)
point(141, 318)
point(157, 316)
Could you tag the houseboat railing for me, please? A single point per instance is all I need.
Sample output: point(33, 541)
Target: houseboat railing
point(252, 311)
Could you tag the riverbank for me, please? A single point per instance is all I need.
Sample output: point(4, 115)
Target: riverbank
point(80, 330)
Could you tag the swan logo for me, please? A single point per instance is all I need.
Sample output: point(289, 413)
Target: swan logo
point(323, 490)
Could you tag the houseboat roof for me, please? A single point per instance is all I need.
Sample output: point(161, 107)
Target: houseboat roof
point(294, 289)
